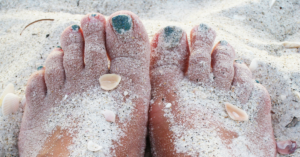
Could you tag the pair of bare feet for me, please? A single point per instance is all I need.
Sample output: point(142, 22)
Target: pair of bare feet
point(180, 123)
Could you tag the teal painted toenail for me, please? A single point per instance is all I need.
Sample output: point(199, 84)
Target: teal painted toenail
point(256, 81)
point(223, 42)
point(75, 27)
point(203, 27)
point(59, 47)
point(239, 61)
point(172, 35)
point(40, 67)
point(93, 15)
point(121, 23)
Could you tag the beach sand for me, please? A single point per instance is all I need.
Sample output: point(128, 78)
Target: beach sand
point(255, 28)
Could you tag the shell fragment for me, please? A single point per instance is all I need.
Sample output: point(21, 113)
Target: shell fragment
point(10, 104)
point(236, 113)
point(286, 147)
point(109, 115)
point(92, 146)
point(8, 89)
point(109, 81)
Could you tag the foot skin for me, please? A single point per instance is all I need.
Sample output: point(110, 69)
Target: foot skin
point(187, 114)
point(65, 101)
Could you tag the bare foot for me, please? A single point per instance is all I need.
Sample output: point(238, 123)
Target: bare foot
point(187, 113)
point(63, 115)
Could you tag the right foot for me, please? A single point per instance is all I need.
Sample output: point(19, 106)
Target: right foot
point(65, 101)
point(187, 114)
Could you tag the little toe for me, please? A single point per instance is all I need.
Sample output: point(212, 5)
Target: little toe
point(35, 93)
point(222, 59)
point(242, 81)
point(54, 72)
point(72, 44)
point(202, 39)
point(95, 58)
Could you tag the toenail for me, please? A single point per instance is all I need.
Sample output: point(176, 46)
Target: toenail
point(75, 27)
point(203, 27)
point(40, 67)
point(58, 47)
point(93, 15)
point(172, 35)
point(121, 23)
point(239, 61)
point(223, 42)
point(256, 81)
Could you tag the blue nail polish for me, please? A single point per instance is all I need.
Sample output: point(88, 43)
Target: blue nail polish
point(223, 42)
point(256, 81)
point(58, 47)
point(172, 35)
point(93, 15)
point(239, 61)
point(40, 67)
point(121, 23)
point(203, 27)
point(75, 27)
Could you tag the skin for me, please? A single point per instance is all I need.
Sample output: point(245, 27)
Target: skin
point(197, 62)
point(76, 67)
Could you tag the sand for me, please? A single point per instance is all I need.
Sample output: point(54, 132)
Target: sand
point(255, 30)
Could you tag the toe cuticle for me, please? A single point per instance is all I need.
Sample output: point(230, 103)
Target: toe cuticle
point(75, 28)
point(93, 15)
point(59, 47)
point(172, 35)
point(121, 23)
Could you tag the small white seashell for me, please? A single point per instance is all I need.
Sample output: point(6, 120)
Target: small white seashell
point(168, 105)
point(109, 81)
point(297, 95)
point(109, 115)
point(236, 113)
point(125, 93)
point(283, 97)
point(92, 146)
point(253, 65)
point(10, 104)
point(8, 89)
point(272, 3)
point(291, 44)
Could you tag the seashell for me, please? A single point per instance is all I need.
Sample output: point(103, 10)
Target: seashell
point(168, 105)
point(8, 89)
point(109, 115)
point(23, 101)
point(297, 95)
point(236, 113)
point(92, 146)
point(286, 147)
point(109, 81)
point(253, 65)
point(291, 44)
point(10, 104)
point(272, 2)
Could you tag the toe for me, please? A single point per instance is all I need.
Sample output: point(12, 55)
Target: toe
point(128, 47)
point(242, 81)
point(54, 73)
point(169, 60)
point(72, 44)
point(35, 93)
point(202, 39)
point(222, 59)
point(95, 58)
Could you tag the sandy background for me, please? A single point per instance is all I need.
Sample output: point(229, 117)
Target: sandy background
point(252, 27)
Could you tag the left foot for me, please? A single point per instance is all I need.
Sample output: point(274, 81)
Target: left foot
point(187, 113)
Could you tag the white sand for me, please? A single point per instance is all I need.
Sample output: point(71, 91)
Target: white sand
point(253, 28)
